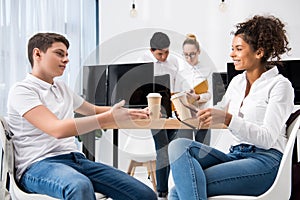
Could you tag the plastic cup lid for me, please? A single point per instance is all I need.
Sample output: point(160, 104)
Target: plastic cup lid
point(153, 95)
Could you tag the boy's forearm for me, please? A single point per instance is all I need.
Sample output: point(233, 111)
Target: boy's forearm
point(91, 123)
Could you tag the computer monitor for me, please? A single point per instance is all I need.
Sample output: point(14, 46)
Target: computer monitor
point(219, 86)
point(291, 70)
point(106, 85)
point(131, 82)
point(231, 72)
point(95, 84)
point(288, 68)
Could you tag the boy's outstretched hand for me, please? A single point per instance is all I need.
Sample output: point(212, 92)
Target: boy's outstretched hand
point(121, 114)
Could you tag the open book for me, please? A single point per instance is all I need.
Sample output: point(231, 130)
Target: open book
point(199, 89)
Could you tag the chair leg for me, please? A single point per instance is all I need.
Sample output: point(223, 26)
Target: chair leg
point(151, 171)
point(148, 165)
point(153, 165)
point(130, 168)
point(133, 171)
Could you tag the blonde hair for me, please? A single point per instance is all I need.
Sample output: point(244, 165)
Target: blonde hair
point(191, 39)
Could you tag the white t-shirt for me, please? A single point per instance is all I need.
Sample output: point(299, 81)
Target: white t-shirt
point(170, 66)
point(260, 117)
point(30, 143)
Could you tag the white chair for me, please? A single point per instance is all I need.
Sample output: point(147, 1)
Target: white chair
point(281, 188)
point(140, 149)
point(8, 172)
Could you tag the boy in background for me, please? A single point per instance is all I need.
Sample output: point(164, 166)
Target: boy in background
point(164, 63)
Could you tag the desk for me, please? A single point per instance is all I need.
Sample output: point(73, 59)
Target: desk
point(89, 143)
point(162, 123)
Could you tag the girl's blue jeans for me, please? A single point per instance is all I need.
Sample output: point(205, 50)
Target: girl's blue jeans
point(200, 171)
point(73, 176)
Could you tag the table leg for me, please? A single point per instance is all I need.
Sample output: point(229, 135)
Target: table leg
point(115, 147)
point(88, 147)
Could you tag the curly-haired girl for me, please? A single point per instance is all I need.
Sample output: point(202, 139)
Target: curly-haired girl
point(255, 107)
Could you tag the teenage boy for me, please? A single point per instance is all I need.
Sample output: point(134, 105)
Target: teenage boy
point(40, 115)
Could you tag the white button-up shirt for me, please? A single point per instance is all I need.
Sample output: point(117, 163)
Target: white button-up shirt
point(170, 66)
point(259, 118)
point(190, 76)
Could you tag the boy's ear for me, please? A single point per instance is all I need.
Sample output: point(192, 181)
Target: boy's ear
point(36, 53)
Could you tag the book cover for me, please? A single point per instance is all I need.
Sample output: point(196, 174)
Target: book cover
point(201, 87)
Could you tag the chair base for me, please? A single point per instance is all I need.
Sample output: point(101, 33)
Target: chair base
point(151, 166)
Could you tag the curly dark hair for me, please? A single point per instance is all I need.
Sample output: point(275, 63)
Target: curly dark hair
point(265, 32)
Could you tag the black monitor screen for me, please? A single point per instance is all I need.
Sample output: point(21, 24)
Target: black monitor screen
point(95, 84)
point(131, 82)
point(231, 72)
point(291, 70)
point(288, 68)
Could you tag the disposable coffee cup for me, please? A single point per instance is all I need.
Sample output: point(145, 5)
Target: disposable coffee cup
point(154, 101)
point(178, 100)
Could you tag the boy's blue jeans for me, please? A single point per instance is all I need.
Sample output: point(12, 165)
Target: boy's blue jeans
point(73, 176)
point(200, 171)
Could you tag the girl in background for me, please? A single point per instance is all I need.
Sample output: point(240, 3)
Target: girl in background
point(193, 74)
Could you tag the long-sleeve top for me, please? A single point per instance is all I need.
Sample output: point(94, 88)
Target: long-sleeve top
point(190, 76)
point(260, 117)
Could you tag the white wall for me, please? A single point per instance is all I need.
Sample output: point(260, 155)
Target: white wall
point(200, 17)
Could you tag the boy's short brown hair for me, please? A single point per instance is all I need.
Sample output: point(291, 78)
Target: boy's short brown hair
point(43, 41)
point(159, 41)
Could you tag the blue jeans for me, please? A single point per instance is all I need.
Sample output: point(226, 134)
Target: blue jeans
point(162, 138)
point(200, 171)
point(73, 176)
